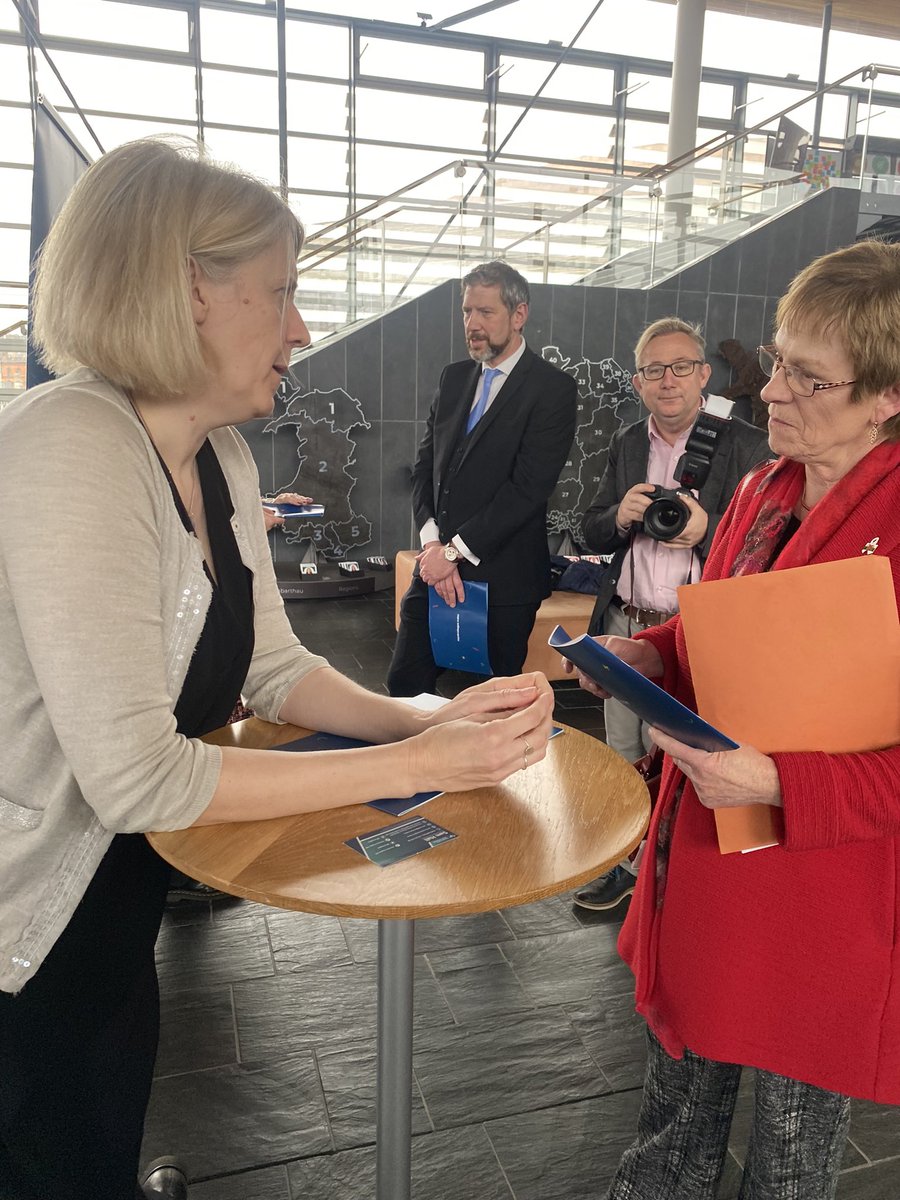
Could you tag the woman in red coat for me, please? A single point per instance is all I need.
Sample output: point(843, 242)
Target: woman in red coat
point(788, 959)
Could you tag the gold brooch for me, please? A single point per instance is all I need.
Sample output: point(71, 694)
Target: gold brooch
point(870, 547)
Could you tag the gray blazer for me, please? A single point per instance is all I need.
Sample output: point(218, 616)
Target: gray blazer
point(740, 448)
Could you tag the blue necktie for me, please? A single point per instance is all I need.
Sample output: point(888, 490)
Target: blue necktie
point(480, 404)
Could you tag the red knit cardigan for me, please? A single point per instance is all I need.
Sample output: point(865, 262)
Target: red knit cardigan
point(787, 959)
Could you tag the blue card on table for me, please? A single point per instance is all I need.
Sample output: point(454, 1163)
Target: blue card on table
point(392, 843)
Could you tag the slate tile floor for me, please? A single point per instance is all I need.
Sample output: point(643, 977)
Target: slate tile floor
point(528, 1057)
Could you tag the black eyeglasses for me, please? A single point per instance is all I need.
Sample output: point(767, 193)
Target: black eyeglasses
point(799, 381)
point(681, 367)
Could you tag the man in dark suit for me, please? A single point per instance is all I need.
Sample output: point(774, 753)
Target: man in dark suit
point(639, 588)
point(498, 434)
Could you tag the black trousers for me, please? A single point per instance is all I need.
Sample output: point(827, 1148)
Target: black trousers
point(413, 669)
point(78, 1043)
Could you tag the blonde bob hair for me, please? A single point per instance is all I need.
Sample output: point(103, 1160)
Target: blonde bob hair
point(853, 296)
point(112, 290)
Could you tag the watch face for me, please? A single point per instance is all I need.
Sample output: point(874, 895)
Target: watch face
point(451, 553)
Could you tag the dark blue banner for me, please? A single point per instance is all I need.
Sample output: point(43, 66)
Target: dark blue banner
point(58, 162)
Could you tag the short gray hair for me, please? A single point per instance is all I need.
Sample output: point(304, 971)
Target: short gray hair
point(665, 326)
point(112, 290)
point(513, 286)
point(852, 296)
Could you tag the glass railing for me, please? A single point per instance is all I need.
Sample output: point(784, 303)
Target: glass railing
point(584, 225)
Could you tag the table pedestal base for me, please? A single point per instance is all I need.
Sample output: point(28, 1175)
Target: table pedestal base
point(393, 1103)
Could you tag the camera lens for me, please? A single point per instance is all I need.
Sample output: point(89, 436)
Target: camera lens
point(665, 518)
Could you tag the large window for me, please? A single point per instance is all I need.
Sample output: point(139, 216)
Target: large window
point(124, 85)
point(318, 49)
point(247, 41)
point(524, 76)
point(108, 21)
point(421, 64)
point(424, 120)
point(374, 104)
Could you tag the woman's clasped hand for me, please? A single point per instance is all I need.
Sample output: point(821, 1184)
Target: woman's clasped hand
point(484, 735)
point(724, 778)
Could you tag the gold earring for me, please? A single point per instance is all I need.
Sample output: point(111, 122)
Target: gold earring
point(873, 433)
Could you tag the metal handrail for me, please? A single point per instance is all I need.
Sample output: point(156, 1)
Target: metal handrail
point(454, 164)
point(659, 174)
point(354, 227)
point(719, 143)
point(756, 190)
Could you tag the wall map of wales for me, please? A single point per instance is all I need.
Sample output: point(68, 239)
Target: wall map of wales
point(319, 459)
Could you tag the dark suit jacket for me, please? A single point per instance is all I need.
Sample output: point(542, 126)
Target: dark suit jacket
point(740, 448)
point(491, 487)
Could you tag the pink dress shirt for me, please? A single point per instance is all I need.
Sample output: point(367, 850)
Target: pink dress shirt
point(658, 568)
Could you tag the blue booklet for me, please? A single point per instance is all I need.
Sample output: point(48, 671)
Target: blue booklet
point(638, 693)
point(331, 741)
point(459, 634)
point(394, 807)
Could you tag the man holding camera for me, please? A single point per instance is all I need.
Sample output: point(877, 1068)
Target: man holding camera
point(639, 588)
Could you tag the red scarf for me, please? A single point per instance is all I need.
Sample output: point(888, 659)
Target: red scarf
point(856, 516)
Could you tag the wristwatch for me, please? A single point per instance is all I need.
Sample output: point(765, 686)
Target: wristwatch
point(451, 553)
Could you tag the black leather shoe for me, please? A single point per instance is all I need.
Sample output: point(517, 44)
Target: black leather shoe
point(191, 890)
point(607, 891)
point(163, 1179)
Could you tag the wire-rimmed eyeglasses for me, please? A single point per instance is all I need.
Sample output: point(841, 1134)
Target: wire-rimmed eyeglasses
point(680, 367)
point(799, 381)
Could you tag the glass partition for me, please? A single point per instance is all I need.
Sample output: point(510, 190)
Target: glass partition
point(397, 154)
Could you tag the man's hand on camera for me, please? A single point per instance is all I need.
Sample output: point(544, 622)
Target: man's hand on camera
point(633, 505)
point(695, 530)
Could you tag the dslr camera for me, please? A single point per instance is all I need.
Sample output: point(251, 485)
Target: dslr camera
point(667, 514)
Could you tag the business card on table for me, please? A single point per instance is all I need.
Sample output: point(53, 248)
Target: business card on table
point(392, 843)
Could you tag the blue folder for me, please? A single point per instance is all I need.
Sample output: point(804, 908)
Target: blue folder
point(459, 634)
point(638, 693)
point(332, 741)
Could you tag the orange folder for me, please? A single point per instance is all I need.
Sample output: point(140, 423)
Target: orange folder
point(802, 659)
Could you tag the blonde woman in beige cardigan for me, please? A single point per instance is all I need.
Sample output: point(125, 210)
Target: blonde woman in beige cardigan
point(164, 301)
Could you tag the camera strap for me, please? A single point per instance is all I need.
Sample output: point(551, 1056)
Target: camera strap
point(631, 536)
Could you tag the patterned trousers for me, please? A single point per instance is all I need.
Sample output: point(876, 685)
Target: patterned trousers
point(796, 1142)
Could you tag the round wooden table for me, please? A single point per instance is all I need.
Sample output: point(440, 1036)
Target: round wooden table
point(559, 824)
